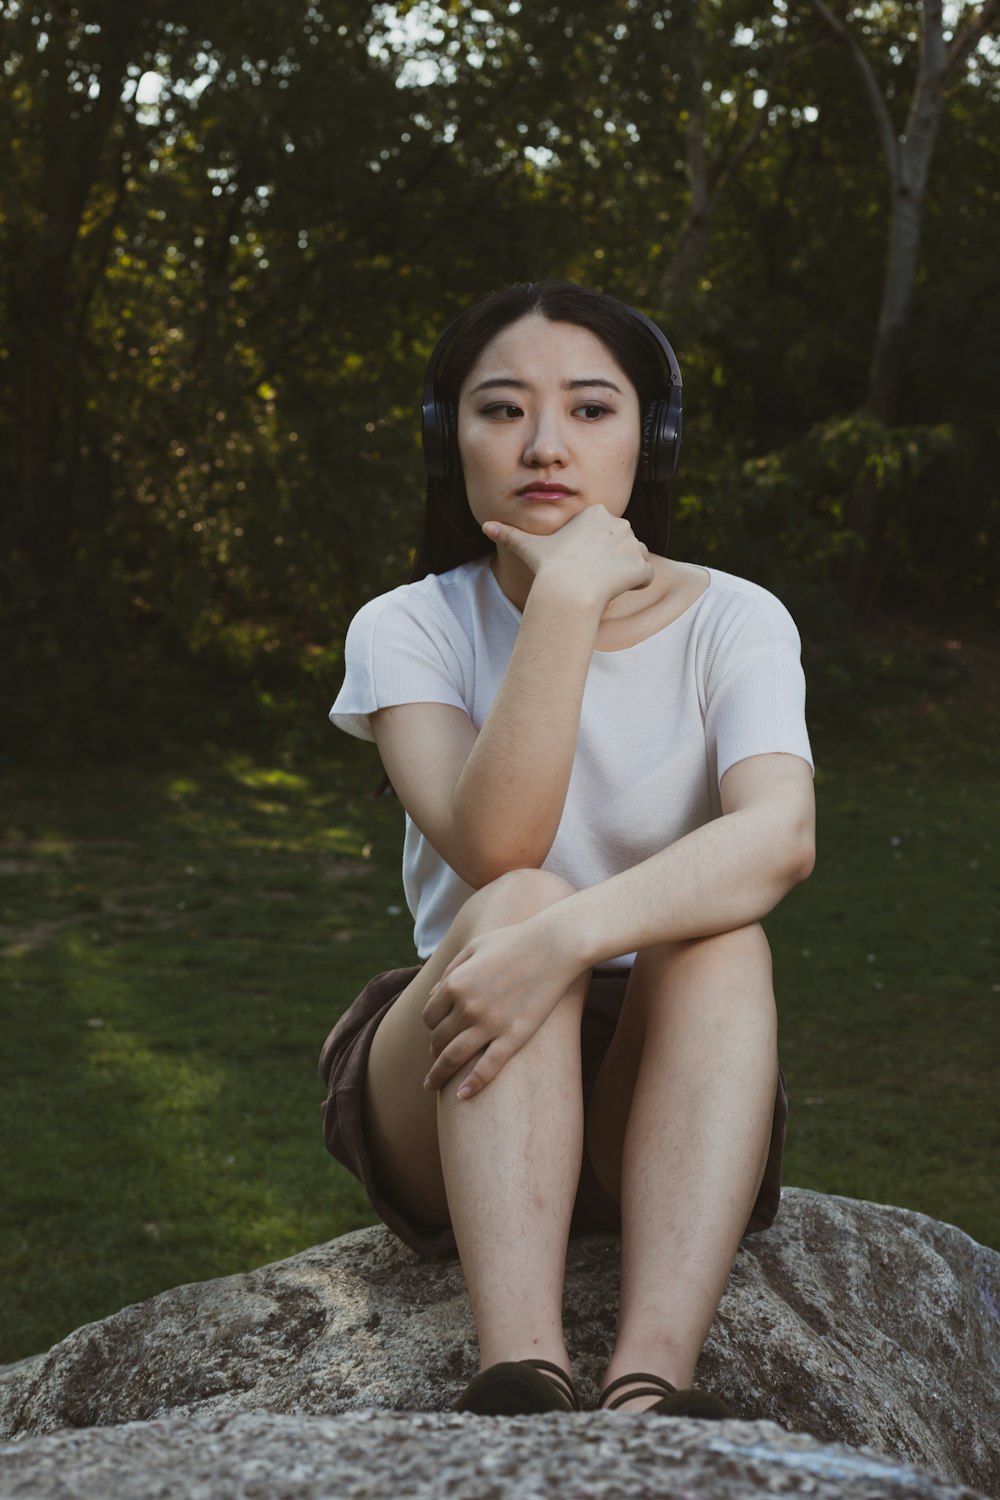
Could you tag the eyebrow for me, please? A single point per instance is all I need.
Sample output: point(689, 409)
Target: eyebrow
point(523, 385)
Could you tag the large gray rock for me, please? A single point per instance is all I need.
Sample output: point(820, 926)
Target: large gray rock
point(432, 1456)
point(847, 1321)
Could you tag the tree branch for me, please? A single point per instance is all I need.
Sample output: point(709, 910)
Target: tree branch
point(742, 151)
point(963, 42)
point(883, 119)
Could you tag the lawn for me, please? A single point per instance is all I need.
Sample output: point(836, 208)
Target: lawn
point(177, 940)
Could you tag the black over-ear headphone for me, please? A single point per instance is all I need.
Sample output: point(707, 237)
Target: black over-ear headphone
point(661, 423)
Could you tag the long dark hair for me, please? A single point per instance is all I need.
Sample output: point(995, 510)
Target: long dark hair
point(451, 534)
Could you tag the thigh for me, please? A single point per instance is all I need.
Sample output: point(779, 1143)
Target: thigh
point(400, 1115)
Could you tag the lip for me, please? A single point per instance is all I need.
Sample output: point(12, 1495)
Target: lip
point(541, 491)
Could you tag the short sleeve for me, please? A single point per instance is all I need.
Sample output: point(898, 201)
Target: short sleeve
point(399, 649)
point(756, 688)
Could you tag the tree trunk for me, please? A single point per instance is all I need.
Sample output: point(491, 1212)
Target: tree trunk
point(885, 372)
point(692, 246)
point(71, 157)
point(908, 159)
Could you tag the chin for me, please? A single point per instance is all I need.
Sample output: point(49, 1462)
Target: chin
point(543, 519)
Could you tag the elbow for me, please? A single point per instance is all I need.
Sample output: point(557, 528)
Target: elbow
point(490, 867)
point(481, 849)
point(792, 858)
point(803, 855)
point(480, 861)
point(806, 861)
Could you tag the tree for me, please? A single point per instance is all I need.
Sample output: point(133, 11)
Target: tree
point(218, 291)
point(908, 159)
point(940, 63)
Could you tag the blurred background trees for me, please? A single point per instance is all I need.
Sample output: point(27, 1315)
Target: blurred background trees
point(228, 238)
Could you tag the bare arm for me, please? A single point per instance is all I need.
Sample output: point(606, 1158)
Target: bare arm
point(492, 801)
point(724, 875)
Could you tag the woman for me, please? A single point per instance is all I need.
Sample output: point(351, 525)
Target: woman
point(603, 759)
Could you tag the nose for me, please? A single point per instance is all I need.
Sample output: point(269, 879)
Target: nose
point(545, 443)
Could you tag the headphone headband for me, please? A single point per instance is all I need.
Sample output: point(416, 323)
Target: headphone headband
point(661, 423)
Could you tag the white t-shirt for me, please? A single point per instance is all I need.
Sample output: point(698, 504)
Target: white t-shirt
point(660, 724)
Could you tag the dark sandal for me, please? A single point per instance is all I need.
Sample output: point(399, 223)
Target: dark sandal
point(673, 1403)
point(518, 1388)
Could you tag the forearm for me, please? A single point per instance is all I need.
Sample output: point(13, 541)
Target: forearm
point(725, 875)
point(509, 797)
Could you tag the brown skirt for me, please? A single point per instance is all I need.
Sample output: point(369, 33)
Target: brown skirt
point(344, 1060)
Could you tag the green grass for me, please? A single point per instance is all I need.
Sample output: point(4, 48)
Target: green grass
point(176, 948)
point(178, 942)
point(889, 986)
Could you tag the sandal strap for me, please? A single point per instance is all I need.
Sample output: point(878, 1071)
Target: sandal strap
point(559, 1378)
point(655, 1386)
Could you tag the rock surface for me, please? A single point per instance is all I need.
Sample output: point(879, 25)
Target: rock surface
point(851, 1322)
point(431, 1456)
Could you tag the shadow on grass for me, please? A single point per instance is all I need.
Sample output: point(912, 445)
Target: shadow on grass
point(176, 948)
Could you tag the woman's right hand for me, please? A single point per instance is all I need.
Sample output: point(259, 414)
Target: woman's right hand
point(596, 554)
point(492, 998)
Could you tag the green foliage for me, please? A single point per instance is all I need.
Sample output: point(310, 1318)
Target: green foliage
point(229, 237)
point(793, 504)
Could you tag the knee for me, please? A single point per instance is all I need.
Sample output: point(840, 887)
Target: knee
point(742, 945)
point(744, 950)
point(514, 897)
point(535, 887)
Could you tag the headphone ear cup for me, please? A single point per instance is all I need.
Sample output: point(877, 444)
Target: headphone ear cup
point(451, 430)
point(437, 433)
point(669, 445)
point(661, 438)
point(649, 424)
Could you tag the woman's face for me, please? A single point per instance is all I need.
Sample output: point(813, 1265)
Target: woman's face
point(548, 424)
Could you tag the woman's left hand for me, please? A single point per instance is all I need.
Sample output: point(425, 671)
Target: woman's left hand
point(493, 996)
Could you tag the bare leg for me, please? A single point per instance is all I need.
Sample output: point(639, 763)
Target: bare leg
point(504, 1165)
point(698, 1044)
point(511, 1159)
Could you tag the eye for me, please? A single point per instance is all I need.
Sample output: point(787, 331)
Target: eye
point(503, 411)
point(593, 411)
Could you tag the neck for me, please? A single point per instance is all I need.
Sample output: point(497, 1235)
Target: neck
point(514, 577)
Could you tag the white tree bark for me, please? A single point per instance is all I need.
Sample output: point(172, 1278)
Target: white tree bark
point(908, 159)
